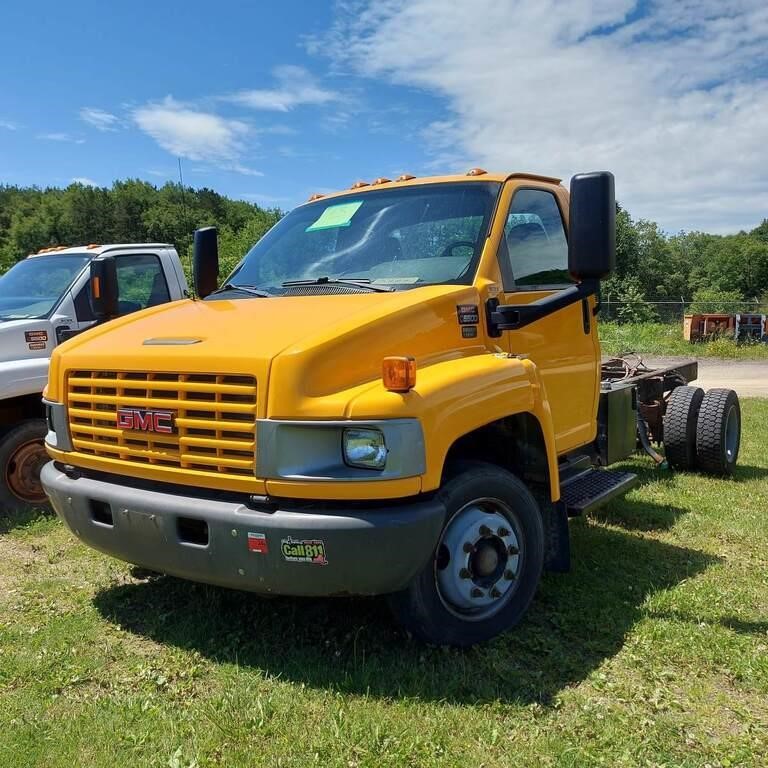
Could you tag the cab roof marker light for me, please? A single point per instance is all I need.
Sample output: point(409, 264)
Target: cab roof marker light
point(476, 172)
point(381, 180)
point(405, 177)
point(359, 184)
point(398, 373)
point(316, 196)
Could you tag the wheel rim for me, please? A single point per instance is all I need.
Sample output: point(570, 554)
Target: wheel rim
point(22, 473)
point(732, 433)
point(478, 559)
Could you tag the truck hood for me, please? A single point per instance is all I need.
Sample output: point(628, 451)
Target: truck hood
point(314, 345)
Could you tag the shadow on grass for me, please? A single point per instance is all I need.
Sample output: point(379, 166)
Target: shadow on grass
point(352, 645)
point(749, 472)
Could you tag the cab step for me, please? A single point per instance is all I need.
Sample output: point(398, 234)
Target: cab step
point(591, 489)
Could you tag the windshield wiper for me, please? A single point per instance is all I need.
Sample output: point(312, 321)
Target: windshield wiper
point(249, 289)
point(357, 282)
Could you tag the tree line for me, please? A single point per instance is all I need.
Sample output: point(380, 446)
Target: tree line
point(708, 272)
point(130, 211)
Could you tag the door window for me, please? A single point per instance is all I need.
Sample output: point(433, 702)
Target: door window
point(141, 283)
point(534, 249)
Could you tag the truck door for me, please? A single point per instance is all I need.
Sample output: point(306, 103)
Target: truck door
point(533, 258)
point(141, 283)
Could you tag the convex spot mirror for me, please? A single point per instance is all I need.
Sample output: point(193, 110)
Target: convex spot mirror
point(592, 226)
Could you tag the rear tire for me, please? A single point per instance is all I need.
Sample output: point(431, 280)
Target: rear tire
point(680, 422)
point(486, 566)
point(718, 432)
point(22, 456)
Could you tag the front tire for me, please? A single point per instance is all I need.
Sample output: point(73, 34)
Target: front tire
point(22, 456)
point(487, 564)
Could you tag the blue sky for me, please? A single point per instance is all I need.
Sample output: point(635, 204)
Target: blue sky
point(273, 101)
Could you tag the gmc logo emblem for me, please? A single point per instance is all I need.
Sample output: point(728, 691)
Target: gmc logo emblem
point(144, 420)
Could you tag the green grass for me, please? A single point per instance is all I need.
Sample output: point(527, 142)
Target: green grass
point(667, 339)
point(653, 651)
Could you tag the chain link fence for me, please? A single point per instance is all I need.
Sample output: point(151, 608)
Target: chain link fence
point(671, 311)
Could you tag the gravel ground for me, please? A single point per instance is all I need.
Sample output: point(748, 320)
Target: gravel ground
point(748, 377)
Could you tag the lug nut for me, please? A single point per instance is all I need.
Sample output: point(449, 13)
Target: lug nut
point(485, 530)
point(509, 575)
point(468, 546)
point(464, 573)
point(513, 550)
point(502, 532)
point(477, 592)
point(495, 592)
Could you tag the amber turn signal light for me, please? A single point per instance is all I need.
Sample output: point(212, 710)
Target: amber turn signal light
point(399, 373)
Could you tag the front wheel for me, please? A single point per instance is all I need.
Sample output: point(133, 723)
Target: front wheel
point(487, 564)
point(22, 456)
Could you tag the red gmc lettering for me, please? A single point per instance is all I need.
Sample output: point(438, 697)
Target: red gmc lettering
point(145, 420)
point(163, 422)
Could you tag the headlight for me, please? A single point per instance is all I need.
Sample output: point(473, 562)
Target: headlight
point(364, 448)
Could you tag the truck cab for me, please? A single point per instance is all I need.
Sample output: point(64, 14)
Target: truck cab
point(396, 391)
point(45, 300)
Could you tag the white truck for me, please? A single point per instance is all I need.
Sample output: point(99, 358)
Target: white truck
point(44, 300)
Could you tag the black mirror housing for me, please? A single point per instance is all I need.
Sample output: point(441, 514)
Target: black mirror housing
point(592, 226)
point(104, 289)
point(205, 269)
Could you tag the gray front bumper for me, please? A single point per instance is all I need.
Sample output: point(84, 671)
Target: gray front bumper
point(366, 551)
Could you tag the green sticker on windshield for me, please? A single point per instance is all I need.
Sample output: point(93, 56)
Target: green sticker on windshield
point(339, 215)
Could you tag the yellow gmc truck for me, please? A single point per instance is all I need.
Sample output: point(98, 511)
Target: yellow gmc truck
point(398, 390)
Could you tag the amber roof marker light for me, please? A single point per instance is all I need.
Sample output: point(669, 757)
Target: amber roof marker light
point(405, 177)
point(359, 184)
point(398, 373)
point(476, 172)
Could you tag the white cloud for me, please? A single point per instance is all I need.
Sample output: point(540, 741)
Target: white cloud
point(8, 125)
point(60, 136)
point(85, 181)
point(187, 132)
point(99, 118)
point(671, 97)
point(295, 86)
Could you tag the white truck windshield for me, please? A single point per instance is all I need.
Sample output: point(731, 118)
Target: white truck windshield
point(393, 238)
point(31, 288)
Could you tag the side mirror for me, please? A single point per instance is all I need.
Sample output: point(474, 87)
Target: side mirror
point(104, 290)
point(205, 268)
point(592, 230)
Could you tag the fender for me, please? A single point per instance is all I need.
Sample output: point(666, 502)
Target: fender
point(23, 377)
point(455, 397)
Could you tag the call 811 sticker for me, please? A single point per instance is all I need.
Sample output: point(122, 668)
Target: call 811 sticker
point(304, 551)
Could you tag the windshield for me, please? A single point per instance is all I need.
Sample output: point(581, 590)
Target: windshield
point(391, 238)
point(31, 288)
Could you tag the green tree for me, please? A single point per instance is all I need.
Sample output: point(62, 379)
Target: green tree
point(716, 300)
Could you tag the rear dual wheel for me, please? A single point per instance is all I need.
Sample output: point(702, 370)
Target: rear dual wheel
point(487, 564)
point(718, 432)
point(680, 421)
point(702, 430)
